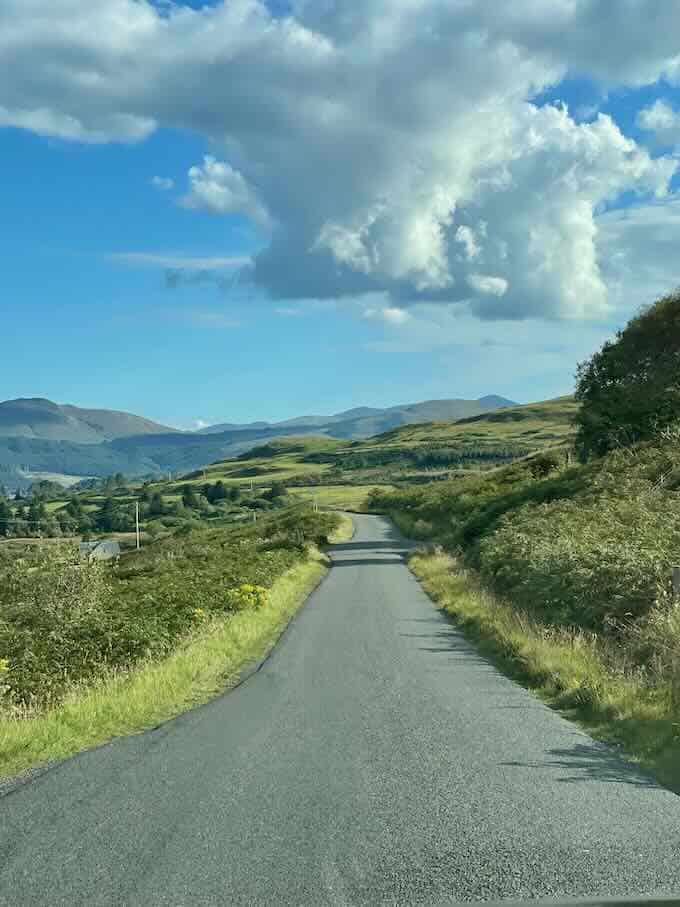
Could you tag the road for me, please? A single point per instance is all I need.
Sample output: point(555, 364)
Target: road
point(374, 758)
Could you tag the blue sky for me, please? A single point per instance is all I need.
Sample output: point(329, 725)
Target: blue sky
point(390, 316)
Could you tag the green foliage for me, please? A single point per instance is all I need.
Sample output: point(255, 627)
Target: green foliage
point(6, 516)
point(246, 597)
point(589, 547)
point(631, 387)
point(65, 619)
point(189, 497)
point(278, 490)
point(57, 621)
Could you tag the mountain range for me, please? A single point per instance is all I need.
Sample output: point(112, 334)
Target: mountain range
point(35, 417)
point(40, 437)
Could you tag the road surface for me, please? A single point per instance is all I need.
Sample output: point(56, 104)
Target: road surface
point(374, 758)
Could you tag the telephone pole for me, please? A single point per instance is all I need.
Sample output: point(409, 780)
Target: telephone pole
point(137, 523)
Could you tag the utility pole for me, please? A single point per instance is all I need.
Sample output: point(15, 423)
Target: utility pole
point(137, 522)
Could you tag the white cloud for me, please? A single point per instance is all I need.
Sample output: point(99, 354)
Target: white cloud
point(162, 183)
point(181, 262)
point(389, 314)
point(484, 283)
point(387, 146)
point(466, 237)
point(662, 120)
point(639, 249)
point(217, 187)
point(200, 423)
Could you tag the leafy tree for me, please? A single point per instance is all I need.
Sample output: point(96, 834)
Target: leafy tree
point(37, 512)
point(5, 517)
point(278, 490)
point(106, 517)
point(630, 389)
point(156, 507)
point(234, 493)
point(66, 521)
point(219, 491)
point(543, 464)
point(189, 497)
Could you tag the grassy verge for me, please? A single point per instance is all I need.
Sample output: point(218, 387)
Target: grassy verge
point(206, 663)
point(344, 532)
point(570, 669)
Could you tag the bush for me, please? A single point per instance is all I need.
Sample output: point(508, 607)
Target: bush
point(65, 619)
point(246, 597)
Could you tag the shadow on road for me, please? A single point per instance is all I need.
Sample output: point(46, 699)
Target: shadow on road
point(365, 561)
point(445, 639)
point(590, 762)
point(371, 546)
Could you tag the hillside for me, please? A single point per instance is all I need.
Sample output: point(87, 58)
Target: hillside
point(109, 442)
point(407, 454)
point(364, 421)
point(533, 425)
point(44, 420)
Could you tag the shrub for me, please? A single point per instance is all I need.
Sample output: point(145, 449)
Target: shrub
point(65, 619)
point(246, 597)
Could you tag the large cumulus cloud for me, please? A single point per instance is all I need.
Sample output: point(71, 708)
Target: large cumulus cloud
point(384, 146)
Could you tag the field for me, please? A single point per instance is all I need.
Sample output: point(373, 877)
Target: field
point(338, 497)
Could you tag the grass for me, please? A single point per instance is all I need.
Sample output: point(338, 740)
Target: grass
point(550, 420)
point(570, 669)
point(349, 497)
point(344, 532)
point(207, 663)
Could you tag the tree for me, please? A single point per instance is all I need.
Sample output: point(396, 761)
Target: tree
point(189, 497)
point(219, 491)
point(5, 517)
point(278, 490)
point(106, 517)
point(37, 512)
point(66, 522)
point(630, 389)
point(234, 493)
point(156, 507)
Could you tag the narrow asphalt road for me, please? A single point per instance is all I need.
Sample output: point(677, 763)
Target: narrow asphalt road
point(375, 758)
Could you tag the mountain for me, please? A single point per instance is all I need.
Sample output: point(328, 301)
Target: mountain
point(38, 437)
point(365, 421)
point(35, 417)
